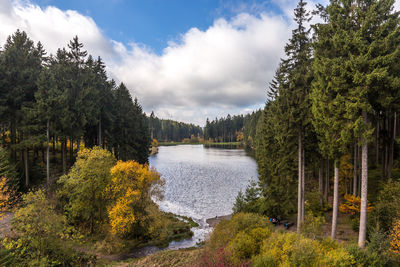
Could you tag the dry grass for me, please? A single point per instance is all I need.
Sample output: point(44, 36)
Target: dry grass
point(170, 258)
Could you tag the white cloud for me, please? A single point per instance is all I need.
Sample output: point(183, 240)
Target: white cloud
point(224, 69)
point(52, 26)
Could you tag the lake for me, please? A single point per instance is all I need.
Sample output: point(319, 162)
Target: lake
point(202, 182)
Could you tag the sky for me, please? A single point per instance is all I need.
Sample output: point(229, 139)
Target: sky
point(184, 60)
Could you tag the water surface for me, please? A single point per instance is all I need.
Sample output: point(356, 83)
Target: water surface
point(202, 182)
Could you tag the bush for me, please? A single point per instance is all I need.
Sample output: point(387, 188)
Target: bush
point(41, 238)
point(387, 208)
point(313, 203)
point(313, 226)
point(363, 257)
point(227, 230)
point(246, 245)
point(337, 257)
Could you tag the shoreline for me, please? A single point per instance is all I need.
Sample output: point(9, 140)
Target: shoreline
point(213, 222)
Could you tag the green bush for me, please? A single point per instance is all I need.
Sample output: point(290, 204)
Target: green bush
point(387, 207)
point(246, 245)
point(227, 230)
point(313, 226)
point(364, 257)
point(313, 203)
point(41, 238)
point(242, 247)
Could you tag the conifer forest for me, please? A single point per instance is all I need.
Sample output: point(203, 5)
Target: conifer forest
point(93, 173)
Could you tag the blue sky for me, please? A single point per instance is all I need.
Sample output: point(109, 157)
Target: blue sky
point(155, 22)
point(185, 60)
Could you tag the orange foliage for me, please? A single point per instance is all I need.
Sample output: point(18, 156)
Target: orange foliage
point(395, 242)
point(6, 201)
point(352, 205)
point(154, 143)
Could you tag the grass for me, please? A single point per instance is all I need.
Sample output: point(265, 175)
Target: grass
point(171, 258)
point(225, 145)
point(172, 143)
point(187, 220)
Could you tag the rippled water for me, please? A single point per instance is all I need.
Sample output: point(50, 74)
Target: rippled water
point(202, 182)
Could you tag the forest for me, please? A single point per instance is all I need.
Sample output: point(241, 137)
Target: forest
point(236, 128)
point(73, 160)
point(74, 154)
point(327, 145)
point(169, 130)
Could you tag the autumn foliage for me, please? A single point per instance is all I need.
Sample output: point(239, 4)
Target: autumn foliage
point(130, 189)
point(395, 242)
point(352, 205)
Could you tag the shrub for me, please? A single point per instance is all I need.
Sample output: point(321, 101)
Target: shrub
point(313, 226)
point(242, 248)
point(338, 257)
point(395, 238)
point(387, 208)
point(363, 257)
point(41, 238)
point(313, 203)
point(227, 230)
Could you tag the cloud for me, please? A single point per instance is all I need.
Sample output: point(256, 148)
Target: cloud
point(223, 69)
point(53, 27)
point(226, 67)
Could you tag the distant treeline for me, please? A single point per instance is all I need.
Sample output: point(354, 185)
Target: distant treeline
point(65, 100)
point(233, 129)
point(169, 130)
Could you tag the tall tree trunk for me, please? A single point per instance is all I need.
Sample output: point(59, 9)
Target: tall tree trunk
point(26, 160)
point(392, 139)
point(355, 184)
point(48, 154)
point(335, 200)
point(321, 183)
point(364, 190)
point(299, 192)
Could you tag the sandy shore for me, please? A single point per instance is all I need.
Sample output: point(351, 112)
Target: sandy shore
point(214, 221)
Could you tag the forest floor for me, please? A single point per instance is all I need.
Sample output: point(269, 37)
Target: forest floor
point(5, 224)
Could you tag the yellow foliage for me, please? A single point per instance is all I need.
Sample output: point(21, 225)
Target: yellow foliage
point(5, 197)
point(129, 188)
point(352, 205)
point(395, 242)
point(239, 136)
point(154, 143)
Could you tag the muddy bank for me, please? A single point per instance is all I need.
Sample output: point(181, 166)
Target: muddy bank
point(214, 221)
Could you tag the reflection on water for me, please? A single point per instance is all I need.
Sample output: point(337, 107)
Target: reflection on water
point(202, 182)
